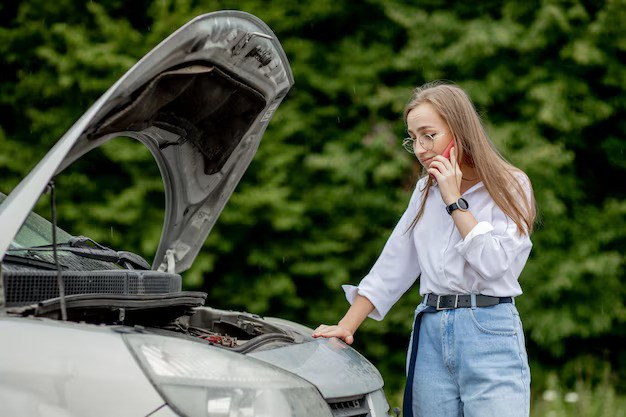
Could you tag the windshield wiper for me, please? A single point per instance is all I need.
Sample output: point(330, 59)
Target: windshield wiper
point(73, 242)
point(89, 248)
point(30, 261)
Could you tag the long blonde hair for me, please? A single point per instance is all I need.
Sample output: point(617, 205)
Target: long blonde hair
point(503, 181)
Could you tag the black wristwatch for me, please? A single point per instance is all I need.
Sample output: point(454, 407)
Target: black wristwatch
point(460, 204)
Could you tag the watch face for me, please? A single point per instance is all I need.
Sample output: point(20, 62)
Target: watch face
point(463, 204)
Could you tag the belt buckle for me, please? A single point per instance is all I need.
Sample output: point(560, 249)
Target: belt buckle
point(456, 303)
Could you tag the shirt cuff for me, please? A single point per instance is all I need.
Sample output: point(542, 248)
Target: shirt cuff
point(352, 291)
point(481, 228)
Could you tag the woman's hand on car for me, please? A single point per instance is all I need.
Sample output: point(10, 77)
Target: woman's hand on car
point(334, 331)
point(349, 324)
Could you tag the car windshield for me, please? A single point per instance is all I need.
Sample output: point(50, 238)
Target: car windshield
point(36, 231)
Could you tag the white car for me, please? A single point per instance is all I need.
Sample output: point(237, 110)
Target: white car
point(88, 330)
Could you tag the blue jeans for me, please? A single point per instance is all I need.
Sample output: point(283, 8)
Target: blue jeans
point(471, 363)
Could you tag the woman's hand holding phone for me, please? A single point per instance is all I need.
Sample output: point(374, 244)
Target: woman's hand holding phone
point(446, 153)
point(445, 169)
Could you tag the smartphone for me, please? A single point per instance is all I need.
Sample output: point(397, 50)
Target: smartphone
point(446, 152)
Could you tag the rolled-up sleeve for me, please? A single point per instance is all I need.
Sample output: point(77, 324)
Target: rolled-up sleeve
point(496, 249)
point(395, 270)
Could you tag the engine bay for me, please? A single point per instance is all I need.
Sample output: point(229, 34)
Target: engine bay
point(180, 314)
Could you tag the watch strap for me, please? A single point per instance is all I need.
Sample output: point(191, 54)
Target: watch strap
point(452, 207)
point(457, 206)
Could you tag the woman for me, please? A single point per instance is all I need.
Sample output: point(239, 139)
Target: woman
point(465, 233)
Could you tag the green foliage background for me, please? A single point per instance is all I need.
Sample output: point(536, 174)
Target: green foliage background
point(331, 179)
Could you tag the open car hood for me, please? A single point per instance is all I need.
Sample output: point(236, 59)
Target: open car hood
point(200, 101)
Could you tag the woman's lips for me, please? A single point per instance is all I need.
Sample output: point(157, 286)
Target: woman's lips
point(426, 161)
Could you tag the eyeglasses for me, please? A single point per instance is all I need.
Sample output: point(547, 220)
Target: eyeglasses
point(427, 141)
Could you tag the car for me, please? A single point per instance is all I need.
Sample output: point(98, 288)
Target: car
point(88, 330)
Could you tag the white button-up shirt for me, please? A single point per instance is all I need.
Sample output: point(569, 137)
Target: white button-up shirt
point(488, 261)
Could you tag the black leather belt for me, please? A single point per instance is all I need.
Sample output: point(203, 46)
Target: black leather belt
point(447, 302)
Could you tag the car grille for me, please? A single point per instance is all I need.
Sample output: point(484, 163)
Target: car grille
point(349, 407)
point(30, 287)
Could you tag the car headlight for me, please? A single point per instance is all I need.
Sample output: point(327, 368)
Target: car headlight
point(198, 380)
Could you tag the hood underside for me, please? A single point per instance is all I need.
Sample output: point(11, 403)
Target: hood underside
point(201, 105)
point(200, 101)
